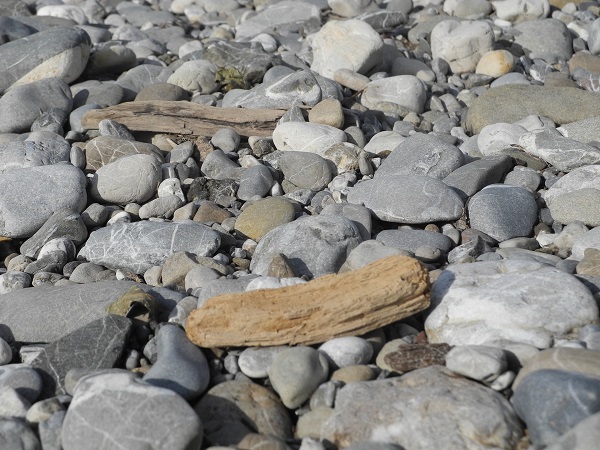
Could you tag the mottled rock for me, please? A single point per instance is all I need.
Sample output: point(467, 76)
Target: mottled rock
point(395, 94)
point(262, 216)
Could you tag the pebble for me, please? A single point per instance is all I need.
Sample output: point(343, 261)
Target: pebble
point(478, 362)
point(264, 215)
point(395, 94)
point(254, 361)
point(306, 137)
point(346, 351)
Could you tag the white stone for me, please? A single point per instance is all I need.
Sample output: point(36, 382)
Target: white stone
point(347, 351)
point(306, 137)
point(461, 44)
point(406, 91)
point(12, 405)
point(587, 177)
point(467, 9)
point(196, 76)
point(350, 44)
point(68, 12)
point(254, 361)
point(273, 283)
point(492, 139)
point(520, 10)
point(522, 301)
point(479, 362)
point(590, 239)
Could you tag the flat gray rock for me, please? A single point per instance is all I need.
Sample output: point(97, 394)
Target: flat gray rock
point(31, 195)
point(395, 94)
point(137, 246)
point(45, 314)
point(105, 412)
point(411, 240)
point(21, 154)
point(255, 181)
point(59, 51)
point(104, 150)
point(97, 345)
point(411, 199)
point(480, 418)
point(585, 131)
point(307, 137)
point(134, 80)
point(469, 179)
point(305, 170)
point(314, 245)
point(547, 39)
point(503, 211)
point(422, 154)
point(522, 301)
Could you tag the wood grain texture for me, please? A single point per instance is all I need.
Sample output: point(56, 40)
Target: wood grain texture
point(186, 118)
point(349, 304)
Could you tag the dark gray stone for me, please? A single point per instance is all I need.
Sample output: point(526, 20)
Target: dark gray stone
point(20, 154)
point(15, 435)
point(103, 93)
point(218, 166)
point(503, 211)
point(134, 80)
point(551, 402)
point(70, 45)
point(61, 224)
point(469, 179)
point(97, 345)
point(23, 105)
point(359, 215)
point(255, 181)
point(411, 240)
point(181, 366)
point(206, 189)
point(46, 314)
point(137, 246)
point(11, 29)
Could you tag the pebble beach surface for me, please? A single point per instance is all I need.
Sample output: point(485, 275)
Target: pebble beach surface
point(463, 134)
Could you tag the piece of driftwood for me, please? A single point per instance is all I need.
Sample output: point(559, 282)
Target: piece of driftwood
point(186, 118)
point(349, 304)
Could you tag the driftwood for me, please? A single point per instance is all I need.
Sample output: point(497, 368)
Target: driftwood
point(186, 118)
point(349, 304)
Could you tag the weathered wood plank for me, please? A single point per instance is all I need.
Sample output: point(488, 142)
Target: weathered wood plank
point(186, 118)
point(349, 304)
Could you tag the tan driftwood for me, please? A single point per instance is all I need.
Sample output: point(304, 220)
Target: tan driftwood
point(186, 118)
point(348, 304)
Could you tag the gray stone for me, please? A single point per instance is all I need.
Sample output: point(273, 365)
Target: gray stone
point(21, 154)
point(307, 137)
point(181, 366)
point(305, 170)
point(226, 139)
point(283, 18)
point(359, 215)
point(525, 177)
point(23, 379)
point(584, 131)
point(76, 116)
point(13, 280)
point(469, 179)
point(331, 44)
point(411, 240)
point(296, 373)
point(132, 179)
point(421, 154)
point(233, 409)
point(298, 88)
point(196, 76)
point(163, 91)
point(49, 431)
point(547, 39)
point(112, 128)
point(479, 362)
point(105, 93)
point(97, 345)
point(12, 405)
point(468, 9)
point(24, 104)
point(367, 252)
point(551, 402)
point(563, 153)
point(218, 166)
point(255, 181)
point(134, 80)
point(12, 29)
point(480, 418)
point(485, 301)
point(58, 52)
point(115, 398)
point(494, 138)
point(503, 212)
point(395, 94)
point(136, 247)
point(314, 245)
point(86, 272)
point(411, 199)
point(346, 351)
point(254, 361)
point(520, 11)
point(16, 435)
point(31, 195)
point(511, 103)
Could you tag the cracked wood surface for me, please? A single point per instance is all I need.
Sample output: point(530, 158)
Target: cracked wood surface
point(349, 304)
point(181, 117)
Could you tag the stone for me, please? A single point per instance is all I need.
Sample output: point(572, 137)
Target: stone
point(104, 150)
point(496, 138)
point(233, 409)
point(346, 351)
point(512, 299)
point(26, 103)
point(490, 418)
point(407, 66)
point(411, 240)
point(395, 94)
point(136, 247)
point(59, 52)
point(511, 103)
point(350, 374)
point(348, 8)
point(469, 9)
point(430, 201)
point(226, 139)
point(524, 177)
point(314, 245)
point(306, 137)
point(367, 252)
point(503, 211)
point(50, 188)
point(547, 39)
point(400, 357)
point(581, 436)
point(469, 179)
point(255, 181)
point(563, 153)
point(461, 44)
point(551, 402)
point(254, 361)
point(93, 92)
point(584, 131)
point(305, 170)
point(296, 373)
point(589, 265)
point(21, 154)
point(163, 91)
point(132, 179)
point(573, 360)
point(308, 313)
point(521, 10)
point(15, 434)
point(284, 18)
point(327, 112)
point(196, 76)
point(211, 212)
point(421, 154)
point(262, 216)
point(479, 362)
point(350, 44)
point(97, 345)
point(359, 215)
point(161, 207)
point(180, 367)
point(23, 379)
point(116, 398)
point(134, 80)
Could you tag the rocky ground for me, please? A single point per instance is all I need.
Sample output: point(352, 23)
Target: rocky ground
point(319, 224)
